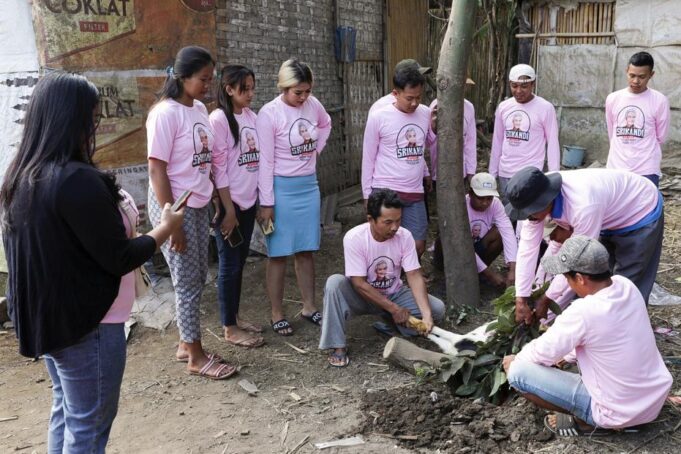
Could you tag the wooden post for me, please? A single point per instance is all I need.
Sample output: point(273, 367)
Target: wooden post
point(459, 258)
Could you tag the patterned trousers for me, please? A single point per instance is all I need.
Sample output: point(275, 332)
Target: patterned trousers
point(188, 269)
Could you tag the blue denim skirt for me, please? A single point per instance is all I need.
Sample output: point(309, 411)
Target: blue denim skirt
point(296, 216)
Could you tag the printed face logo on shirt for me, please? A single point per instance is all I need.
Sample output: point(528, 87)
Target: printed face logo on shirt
point(248, 147)
point(630, 125)
point(203, 143)
point(303, 139)
point(476, 230)
point(517, 128)
point(381, 273)
point(410, 143)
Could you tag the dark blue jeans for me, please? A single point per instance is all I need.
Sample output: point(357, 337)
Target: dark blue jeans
point(86, 384)
point(231, 265)
point(654, 178)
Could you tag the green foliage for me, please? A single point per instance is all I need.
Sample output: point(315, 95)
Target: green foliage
point(480, 374)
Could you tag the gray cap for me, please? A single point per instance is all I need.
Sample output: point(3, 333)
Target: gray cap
point(580, 254)
point(411, 63)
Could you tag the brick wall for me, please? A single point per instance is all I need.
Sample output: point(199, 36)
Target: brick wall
point(262, 34)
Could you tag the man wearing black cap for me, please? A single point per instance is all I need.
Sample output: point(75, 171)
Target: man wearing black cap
point(623, 209)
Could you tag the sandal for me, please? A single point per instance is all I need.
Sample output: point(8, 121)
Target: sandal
point(215, 356)
point(215, 370)
point(566, 426)
point(248, 326)
point(248, 342)
point(281, 326)
point(315, 317)
point(341, 359)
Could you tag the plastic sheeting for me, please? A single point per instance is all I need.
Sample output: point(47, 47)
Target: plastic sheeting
point(18, 51)
point(650, 23)
point(578, 75)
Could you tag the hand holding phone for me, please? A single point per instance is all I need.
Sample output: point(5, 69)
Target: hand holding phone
point(181, 201)
point(267, 226)
point(235, 239)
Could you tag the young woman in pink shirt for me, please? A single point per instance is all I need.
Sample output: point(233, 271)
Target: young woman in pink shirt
point(179, 143)
point(236, 159)
point(293, 129)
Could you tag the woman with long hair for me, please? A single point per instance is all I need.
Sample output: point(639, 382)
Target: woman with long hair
point(179, 145)
point(67, 248)
point(236, 160)
point(288, 188)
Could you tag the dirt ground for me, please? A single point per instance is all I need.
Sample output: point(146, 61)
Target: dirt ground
point(301, 400)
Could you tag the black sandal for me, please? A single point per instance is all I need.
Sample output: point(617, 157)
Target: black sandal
point(315, 317)
point(281, 326)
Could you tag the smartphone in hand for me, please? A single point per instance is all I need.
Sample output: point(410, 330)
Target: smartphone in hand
point(235, 238)
point(181, 201)
point(267, 227)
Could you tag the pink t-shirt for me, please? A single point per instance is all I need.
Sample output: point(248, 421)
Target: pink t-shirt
point(470, 139)
point(482, 221)
point(290, 140)
point(593, 200)
point(524, 134)
point(119, 312)
point(637, 126)
point(382, 102)
point(236, 166)
point(380, 262)
point(393, 150)
point(610, 336)
point(182, 137)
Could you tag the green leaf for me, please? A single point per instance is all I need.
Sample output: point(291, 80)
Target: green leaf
point(454, 366)
point(555, 308)
point(485, 360)
point(466, 371)
point(499, 379)
point(467, 389)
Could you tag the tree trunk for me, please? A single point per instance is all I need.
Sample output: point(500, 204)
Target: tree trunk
point(410, 357)
point(459, 259)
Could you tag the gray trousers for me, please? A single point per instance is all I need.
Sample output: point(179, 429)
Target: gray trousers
point(341, 302)
point(636, 255)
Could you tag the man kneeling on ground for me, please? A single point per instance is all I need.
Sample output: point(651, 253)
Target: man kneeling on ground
point(623, 380)
point(375, 253)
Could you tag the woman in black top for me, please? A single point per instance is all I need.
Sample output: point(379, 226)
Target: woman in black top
point(66, 250)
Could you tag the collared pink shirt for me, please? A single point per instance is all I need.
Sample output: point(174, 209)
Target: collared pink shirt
point(593, 200)
point(290, 140)
point(470, 141)
point(610, 336)
point(637, 127)
point(524, 135)
point(236, 166)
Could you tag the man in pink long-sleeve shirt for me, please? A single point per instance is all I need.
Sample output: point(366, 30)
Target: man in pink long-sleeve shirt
point(395, 139)
point(623, 381)
point(637, 118)
point(621, 208)
point(525, 130)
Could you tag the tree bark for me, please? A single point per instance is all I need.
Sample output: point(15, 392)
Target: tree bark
point(459, 258)
point(408, 356)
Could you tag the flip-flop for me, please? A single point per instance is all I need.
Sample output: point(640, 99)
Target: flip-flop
point(315, 318)
point(215, 356)
point(249, 342)
point(281, 326)
point(342, 358)
point(248, 326)
point(566, 426)
point(221, 372)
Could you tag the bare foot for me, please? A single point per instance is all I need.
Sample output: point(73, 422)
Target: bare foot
point(248, 326)
point(241, 338)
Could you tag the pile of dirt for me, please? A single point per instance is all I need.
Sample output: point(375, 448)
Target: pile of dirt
point(427, 416)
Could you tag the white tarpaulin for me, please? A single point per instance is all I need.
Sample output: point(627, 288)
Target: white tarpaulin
point(18, 51)
point(649, 23)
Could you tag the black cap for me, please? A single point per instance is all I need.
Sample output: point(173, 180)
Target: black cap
point(531, 191)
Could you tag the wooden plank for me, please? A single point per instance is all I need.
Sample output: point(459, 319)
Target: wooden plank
point(565, 35)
